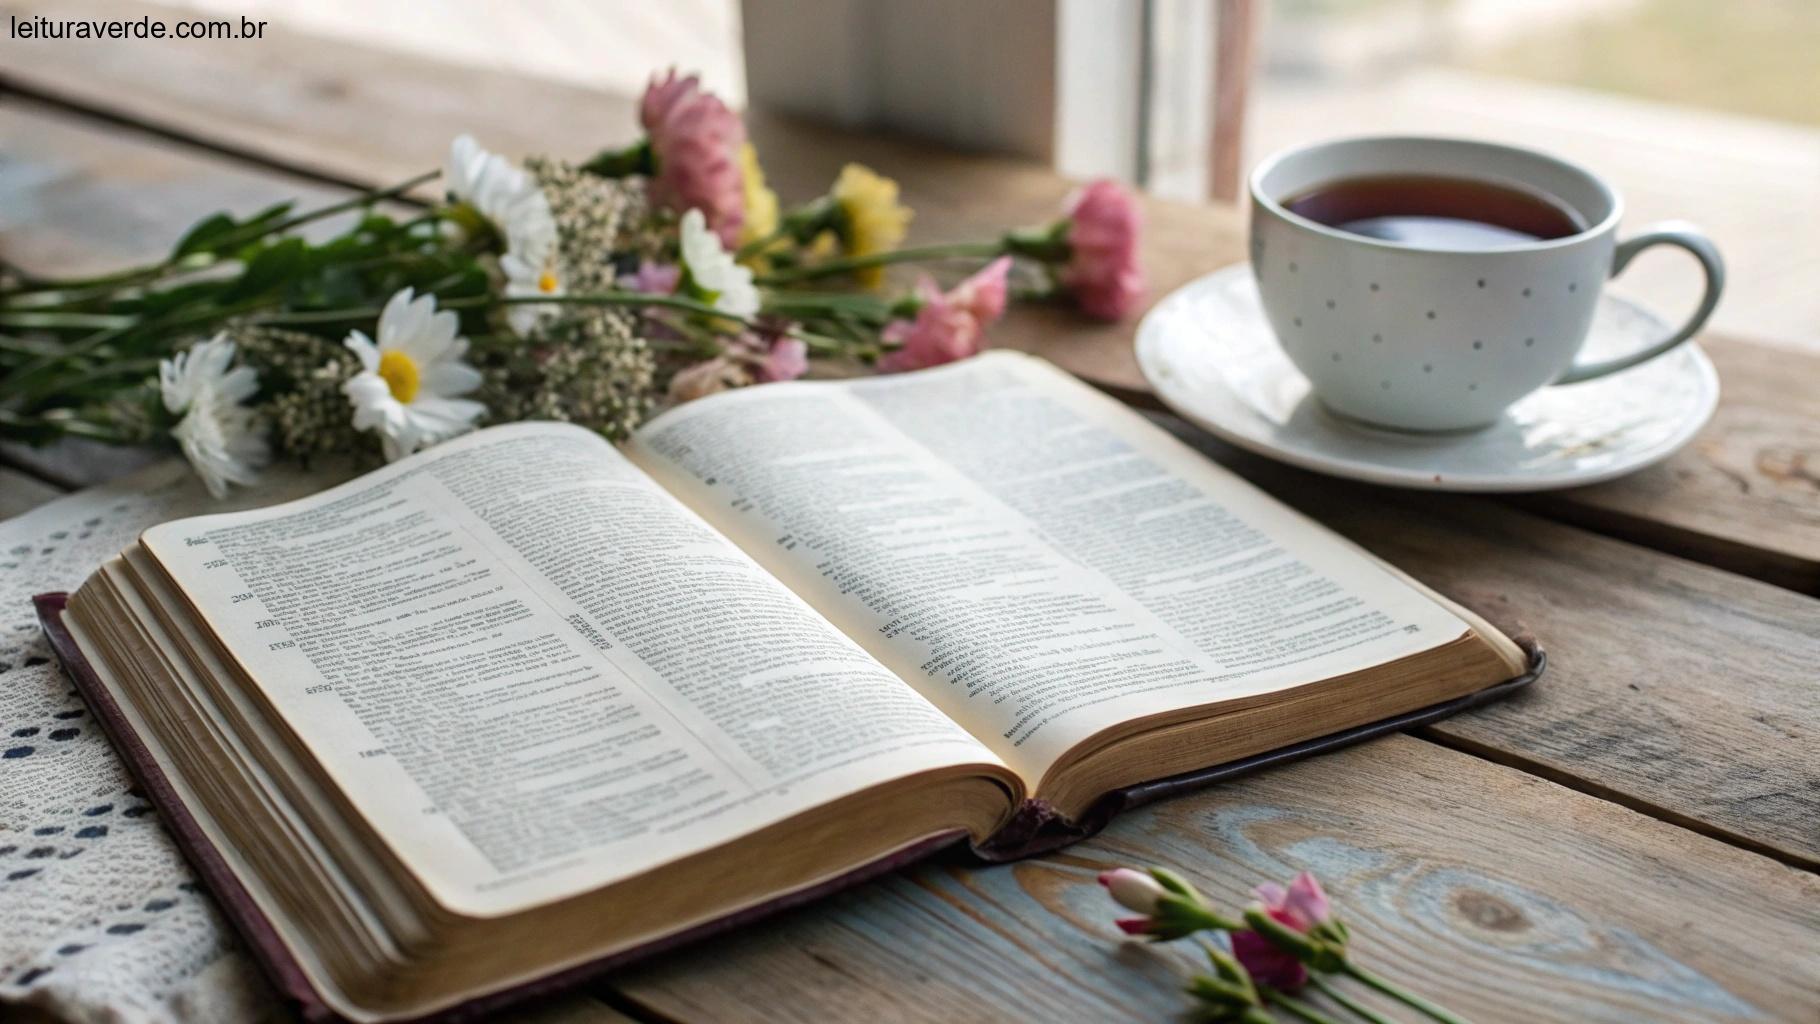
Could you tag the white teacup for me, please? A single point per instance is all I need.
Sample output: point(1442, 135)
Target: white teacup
point(1444, 339)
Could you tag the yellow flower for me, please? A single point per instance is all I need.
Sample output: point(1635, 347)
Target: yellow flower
point(872, 220)
point(761, 202)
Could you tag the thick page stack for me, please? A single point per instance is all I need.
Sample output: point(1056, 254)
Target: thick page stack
point(526, 705)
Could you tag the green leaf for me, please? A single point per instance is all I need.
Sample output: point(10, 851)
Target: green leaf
point(268, 218)
point(204, 235)
point(220, 233)
point(273, 267)
point(164, 301)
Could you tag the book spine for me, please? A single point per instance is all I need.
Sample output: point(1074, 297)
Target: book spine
point(1038, 826)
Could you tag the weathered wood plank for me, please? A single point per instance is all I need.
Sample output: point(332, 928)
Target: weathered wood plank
point(79, 198)
point(20, 493)
point(330, 108)
point(1672, 687)
point(1742, 497)
point(75, 463)
point(1745, 494)
point(574, 1009)
point(1505, 896)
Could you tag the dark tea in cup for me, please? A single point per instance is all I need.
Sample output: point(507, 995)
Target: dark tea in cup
point(1433, 212)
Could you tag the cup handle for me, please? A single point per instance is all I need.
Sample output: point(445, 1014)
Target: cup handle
point(1667, 233)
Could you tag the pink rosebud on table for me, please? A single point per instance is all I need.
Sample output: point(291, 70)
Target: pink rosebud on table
point(1103, 273)
point(1133, 890)
point(695, 142)
point(1302, 906)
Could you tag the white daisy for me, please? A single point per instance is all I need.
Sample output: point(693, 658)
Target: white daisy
point(531, 268)
point(497, 189)
point(409, 380)
point(712, 275)
point(219, 435)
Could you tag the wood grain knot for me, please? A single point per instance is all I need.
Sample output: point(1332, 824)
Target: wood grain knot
point(329, 88)
point(1489, 912)
point(1788, 466)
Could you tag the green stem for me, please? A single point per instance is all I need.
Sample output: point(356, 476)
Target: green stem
point(1295, 1007)
point(63, 425)
point(36, 373)
point(758, 245)
point(614, 298)
point(119, 277)
point(1330, 991)
point(820, 342)
point(27, 347)
point(314, 316)
point(154, 271)
point(867, 309)
point(366, 198)
point(111, 369)
point(54, 321)
point(1396, 992)
point(78, 294)
point(96, 432)
point(829, 268)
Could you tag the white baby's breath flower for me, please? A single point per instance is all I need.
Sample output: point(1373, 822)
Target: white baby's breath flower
point(410, 379)
point(712, 276)
point(218, 434)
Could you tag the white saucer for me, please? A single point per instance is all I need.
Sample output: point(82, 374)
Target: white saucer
point(1210, 355)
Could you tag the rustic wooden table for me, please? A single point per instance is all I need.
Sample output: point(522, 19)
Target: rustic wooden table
point(1635, 838)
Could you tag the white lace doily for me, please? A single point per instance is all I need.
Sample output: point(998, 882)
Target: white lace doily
point(102, 920)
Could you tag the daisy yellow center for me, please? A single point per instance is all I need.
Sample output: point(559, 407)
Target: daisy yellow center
point(400, 373)
point(547, 283)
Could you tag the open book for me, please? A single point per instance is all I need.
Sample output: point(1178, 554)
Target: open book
point(526, 704)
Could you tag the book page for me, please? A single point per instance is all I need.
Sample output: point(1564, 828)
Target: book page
point(1040, 561)
point(534, 672)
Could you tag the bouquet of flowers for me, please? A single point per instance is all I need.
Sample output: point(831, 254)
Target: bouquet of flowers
point(594, 293)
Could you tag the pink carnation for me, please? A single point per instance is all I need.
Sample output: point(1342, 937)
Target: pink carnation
point(695, 141)
point(1103, 272)
point(951, 326)
point(983, 294)
point(941, 333)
